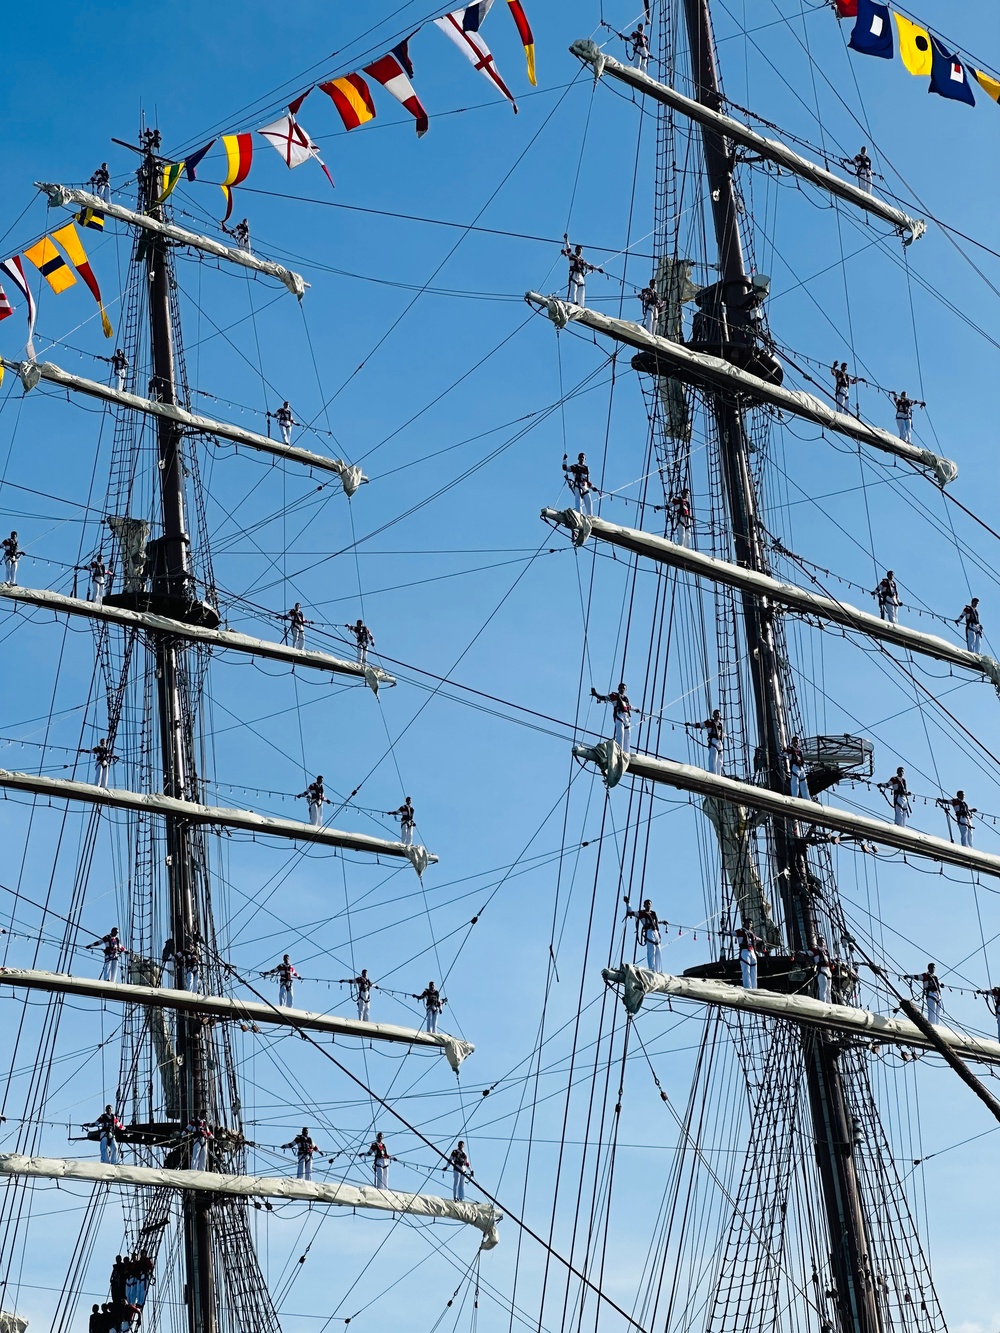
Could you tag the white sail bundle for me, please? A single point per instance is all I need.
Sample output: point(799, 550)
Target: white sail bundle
point(483, 1216)
point(911, 229)
point(31, 373)
point(66, 196)
point(220, 638)
point(810, 603)
point(638, 982)
point(713, 371)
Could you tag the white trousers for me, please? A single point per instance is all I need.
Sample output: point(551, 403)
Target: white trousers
point(381, 1173)
point(965, 833)
point(11, 567)
point(933, 1007)
point(199, 1155)
point(901, 813)
point(654, 959)
point(364, 1007)
point(843, 399)
point(286, 433)
point(682, 534)
point(865, 181)
point(305, 1167)
point(298, 637)
point(577, 291)
point(715, 757)
point(432, 1019)
point(824, 979)
point(641, 62)
point(406, 834)
point(285, 995)
point(121, 380)
point(109, 1149)
point(974, 638)
point(889, 611)
point(97, 591)
point(458, 1185)
point(584, 501)
point(748, 968)
point(110, 970)
point(103, 770)
point(905, 427)
point(798, 784)
point(649, 319)
point(623, 730)
point(316, 813)
point(362, 653)
point(191, 978)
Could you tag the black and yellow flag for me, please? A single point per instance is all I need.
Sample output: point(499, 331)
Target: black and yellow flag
point(51, 265)
point(914, 46)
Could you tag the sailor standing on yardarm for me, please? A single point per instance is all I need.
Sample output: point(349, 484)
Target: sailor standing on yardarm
point(578, 270)
point(648, 929)
point(862, 164)
point(899, 795)
point(904, 414)
point(819, 956)
point(578, 480)
point(98, 571)
point(433, 1005)
point(11, 555)
point(407, 820)
point(297, 624)
point(199, 1136)
point(110, 1126)
point(316, 798)
point(305, 1150)
point(931, 985)
point(969, 616)
point(380, 1152)
point(285, 421)
point(461, 1170)
point(651, 306)
point(364, 639)
point(887, 594)
point(622, 714)
point(113, 950)
point(286, 975)
point(797, 783)
point(363, 992)
point(958, 806)
point(119, 368)
point(842, 382)
point(716, 735)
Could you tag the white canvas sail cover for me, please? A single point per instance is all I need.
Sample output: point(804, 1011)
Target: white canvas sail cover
point(12, 1323)
point(480, 1215)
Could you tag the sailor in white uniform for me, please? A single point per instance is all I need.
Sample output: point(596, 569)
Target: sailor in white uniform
point(316, 798)
point(363, 991)
point(380, 1152)
point(863, 169)
point(640, 48)
point(621, 715)
point(305, 1150)
point(969, 615)
point(109, 1125)
point(748, 942)
point(931, 985)
point(433, 1005)
point(798, 784)
point(899, 794)
point(200, 1135)
point(98, 578)
point(287, 976)
point(461, 1170)
point(904, 414)
point(820, 958)
point(113, 950)
point(119, 367)
point(285, 421)
point(104, 757)
point(651, 306)
point(716, 735)
point(11, 555)
point(958, 806)
point(842, 382)
point(887, 594)
point(578, 270)
point(648, 928)
point(407, 820)
point(297, 624)
point(578, 481)
point(364, 638)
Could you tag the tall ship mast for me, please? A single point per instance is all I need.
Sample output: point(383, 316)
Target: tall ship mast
point(693, 855)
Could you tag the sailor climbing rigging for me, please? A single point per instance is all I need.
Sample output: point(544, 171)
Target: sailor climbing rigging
point(11, 555)
point(797, 782)
point(316, 797)
point(716, 730)
point(380, 1152)
point(407, 820)
point(622, 714)
point(110, 1126)
point(305, 1150)
point(958, 806)
point(286, 975)
point(364, 639)
point(113, 950)
point(363, 992)
point(887, 594)
point(297, 624)
point(578, 270)
point(578, 480)
point(931, 987)
point(434, 1002)
point(969, 616)
point(904, 414)
point(199, 1136)
point(647, 926)
point(461, 1170)
point(898, 794)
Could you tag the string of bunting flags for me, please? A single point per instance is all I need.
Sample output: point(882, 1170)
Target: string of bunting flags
point(921, 52)
point(352, 99)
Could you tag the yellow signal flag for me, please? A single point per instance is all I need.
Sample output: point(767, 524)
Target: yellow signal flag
point(914, 46)
point(51, 265)
point(989, 85)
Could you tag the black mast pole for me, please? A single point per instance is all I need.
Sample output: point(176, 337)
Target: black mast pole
point(856, 1302)
point(173, 590)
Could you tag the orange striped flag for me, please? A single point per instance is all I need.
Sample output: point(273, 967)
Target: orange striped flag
point(352, 98)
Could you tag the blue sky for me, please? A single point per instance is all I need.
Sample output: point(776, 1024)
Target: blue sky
point(414, 354)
